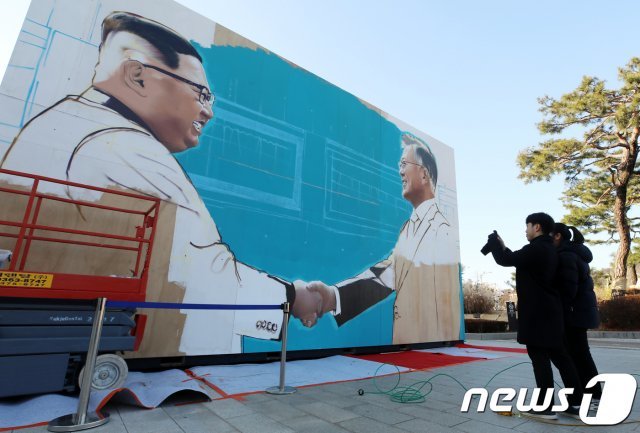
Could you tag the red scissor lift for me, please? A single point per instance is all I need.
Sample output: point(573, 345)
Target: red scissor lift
point(45, 315)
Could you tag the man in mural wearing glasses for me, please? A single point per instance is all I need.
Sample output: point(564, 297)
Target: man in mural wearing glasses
point(150, 99)
point(422, 269)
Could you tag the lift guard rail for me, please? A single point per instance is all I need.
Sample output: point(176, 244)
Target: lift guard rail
point(21, 281)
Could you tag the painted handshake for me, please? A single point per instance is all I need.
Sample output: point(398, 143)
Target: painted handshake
point(313, 299)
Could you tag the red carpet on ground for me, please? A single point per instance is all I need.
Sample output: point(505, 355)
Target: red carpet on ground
point(417, 360)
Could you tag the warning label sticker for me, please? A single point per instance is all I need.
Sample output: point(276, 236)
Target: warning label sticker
point(26, 279)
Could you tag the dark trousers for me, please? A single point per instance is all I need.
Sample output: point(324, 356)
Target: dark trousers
point(541, 359)
point(578, 347)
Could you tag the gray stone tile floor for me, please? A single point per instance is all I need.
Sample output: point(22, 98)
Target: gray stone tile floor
point(338, 407)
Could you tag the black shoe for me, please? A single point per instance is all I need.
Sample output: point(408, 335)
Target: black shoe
point(543, 415)
point(573, 412)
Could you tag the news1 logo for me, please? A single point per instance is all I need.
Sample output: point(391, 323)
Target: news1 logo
point(618, 394)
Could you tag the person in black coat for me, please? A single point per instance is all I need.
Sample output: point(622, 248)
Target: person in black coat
point(578, 298)
point(540, 320)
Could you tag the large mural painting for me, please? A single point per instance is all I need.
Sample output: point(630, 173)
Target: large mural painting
point(275, 184)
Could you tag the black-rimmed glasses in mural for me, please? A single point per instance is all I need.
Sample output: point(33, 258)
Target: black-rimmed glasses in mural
point(205, 96)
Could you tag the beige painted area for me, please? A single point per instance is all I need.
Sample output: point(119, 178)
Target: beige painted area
point(164, 327)
point(225, 37)
point(427, 304)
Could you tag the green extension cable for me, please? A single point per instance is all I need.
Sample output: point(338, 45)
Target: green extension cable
point(414, 393)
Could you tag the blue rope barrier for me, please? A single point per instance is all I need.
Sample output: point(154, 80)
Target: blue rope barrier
point(174, 306)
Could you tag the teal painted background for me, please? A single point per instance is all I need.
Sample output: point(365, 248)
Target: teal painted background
point(301, 179)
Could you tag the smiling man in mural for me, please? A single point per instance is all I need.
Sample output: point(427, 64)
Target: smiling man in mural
point(150, 99)
point(422, 269)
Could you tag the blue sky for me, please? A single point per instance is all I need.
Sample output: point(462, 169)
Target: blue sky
point(467, 73)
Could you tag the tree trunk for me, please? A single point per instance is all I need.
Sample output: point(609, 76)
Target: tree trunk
point(632, 275)
point(622, 226)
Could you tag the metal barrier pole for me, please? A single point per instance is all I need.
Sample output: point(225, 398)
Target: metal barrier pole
point(82, 420)
point(283, 390)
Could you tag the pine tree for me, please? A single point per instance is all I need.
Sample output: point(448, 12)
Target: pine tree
point(600, 166)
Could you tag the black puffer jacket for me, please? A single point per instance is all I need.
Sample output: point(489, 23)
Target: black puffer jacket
point(581, 310)
point(540, 320)
point(567, 277)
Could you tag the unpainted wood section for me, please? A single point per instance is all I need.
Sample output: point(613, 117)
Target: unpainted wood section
point(164, 327)
point(428, 304)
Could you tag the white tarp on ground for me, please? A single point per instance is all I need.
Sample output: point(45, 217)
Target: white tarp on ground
point(151, 389)
point(141, 389)
point(239, 379)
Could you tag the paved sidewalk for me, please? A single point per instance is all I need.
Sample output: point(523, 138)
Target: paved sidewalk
point(339, 408)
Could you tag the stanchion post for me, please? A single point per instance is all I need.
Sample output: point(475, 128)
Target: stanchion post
point(83, 420)
point(282, 389)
